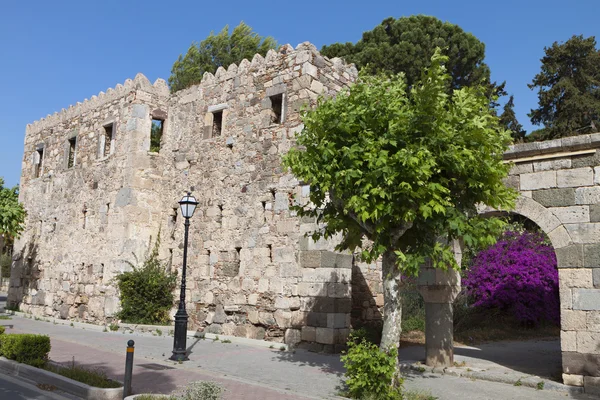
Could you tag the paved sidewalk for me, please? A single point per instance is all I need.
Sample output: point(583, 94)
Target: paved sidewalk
point(252, 372)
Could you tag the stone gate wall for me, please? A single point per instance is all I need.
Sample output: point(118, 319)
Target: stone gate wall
point(559, 182)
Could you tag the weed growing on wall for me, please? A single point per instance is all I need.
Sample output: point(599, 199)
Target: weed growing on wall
point(147, 292)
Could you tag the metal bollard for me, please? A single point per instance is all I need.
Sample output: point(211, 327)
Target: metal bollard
point(128, 369)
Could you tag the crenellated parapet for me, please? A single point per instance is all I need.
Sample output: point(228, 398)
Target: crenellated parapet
point(305, 58)
point(140, 82)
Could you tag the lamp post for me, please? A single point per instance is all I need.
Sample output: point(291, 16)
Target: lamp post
point(188, 205)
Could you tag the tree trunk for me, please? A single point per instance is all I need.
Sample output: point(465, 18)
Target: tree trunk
point(392, 308)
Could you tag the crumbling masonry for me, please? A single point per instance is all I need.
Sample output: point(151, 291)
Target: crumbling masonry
point(96, 198)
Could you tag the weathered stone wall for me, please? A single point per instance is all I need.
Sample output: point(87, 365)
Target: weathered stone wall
point(251, 271)
point(79, 227)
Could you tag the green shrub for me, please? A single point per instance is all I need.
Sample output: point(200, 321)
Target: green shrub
point(370, 371)
point(147, 292)
point(202, 391)
point(26, 348)
point(2, 329)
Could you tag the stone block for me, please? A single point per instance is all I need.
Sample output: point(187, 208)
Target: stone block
point(568, 341)
point(309, 334)
point(548, 165)
point(521, 168)
point(338, 290)
point(312, 289)
point(587, 195)
point(220, 317)
point(139, 111)
point(572, 320)
point(591, 385)
point(344, 261)
point(309, 258)
point(325, 335)
point(572, 380)
point(284, 254)
point(560, 237)
point(299, 319)
point(309, 69)
point(596, 277)
point(594, 212)
point(571, 215)
point(581, 364)
point(512, 181)
point(570, 256)
point(342, 305)
point(292, 337)
point(317, 319)
point(591, 255)
point(566, 297)
point(320, 304)
point(592, 321)
point(283, 318)
point(588, 342)
point(575, 177)
point(584, 160)
point(555, 197)
point(586, 299)
point(328, 259)
point(583, 233)
point(253, 316)
point(337, 320)
point(266, 318)
point(282, 303)
point(538, 180)
point(575, 277)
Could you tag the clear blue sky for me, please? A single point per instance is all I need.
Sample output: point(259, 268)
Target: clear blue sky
point(56, 53)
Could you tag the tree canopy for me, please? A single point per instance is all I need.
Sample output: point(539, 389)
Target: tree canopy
point(12, 214)
point(403, 167)
point(217, 50)
point(406, 45)
point(568, 88)
point(508, 120)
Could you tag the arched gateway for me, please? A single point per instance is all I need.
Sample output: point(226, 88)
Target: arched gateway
point(559, 185)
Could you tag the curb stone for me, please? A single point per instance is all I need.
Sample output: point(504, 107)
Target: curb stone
point(63, 383)
point(479, 374)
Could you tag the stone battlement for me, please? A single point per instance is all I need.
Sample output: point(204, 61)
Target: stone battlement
point(303, 53)
point(140, 82)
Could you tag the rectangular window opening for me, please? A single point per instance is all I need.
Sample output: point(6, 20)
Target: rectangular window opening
point(71, 160)
point(217, 123)
point(276, 108)
point(108, 138)
point(39, 162)
point(156, 133)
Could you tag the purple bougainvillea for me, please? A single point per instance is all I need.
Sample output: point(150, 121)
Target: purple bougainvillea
point(518, 275)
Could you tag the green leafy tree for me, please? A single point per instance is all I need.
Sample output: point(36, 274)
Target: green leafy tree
point(394, 170)
point(218, 50)
point(568, 88)
point(406, 45)
point(509, 120)
point(12, 213)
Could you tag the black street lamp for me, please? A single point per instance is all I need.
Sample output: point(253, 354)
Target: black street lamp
point(188, 205)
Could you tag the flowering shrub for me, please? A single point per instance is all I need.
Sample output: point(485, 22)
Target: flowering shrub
point(518, 275)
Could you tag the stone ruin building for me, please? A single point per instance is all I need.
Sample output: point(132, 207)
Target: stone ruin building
point(97, 197)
